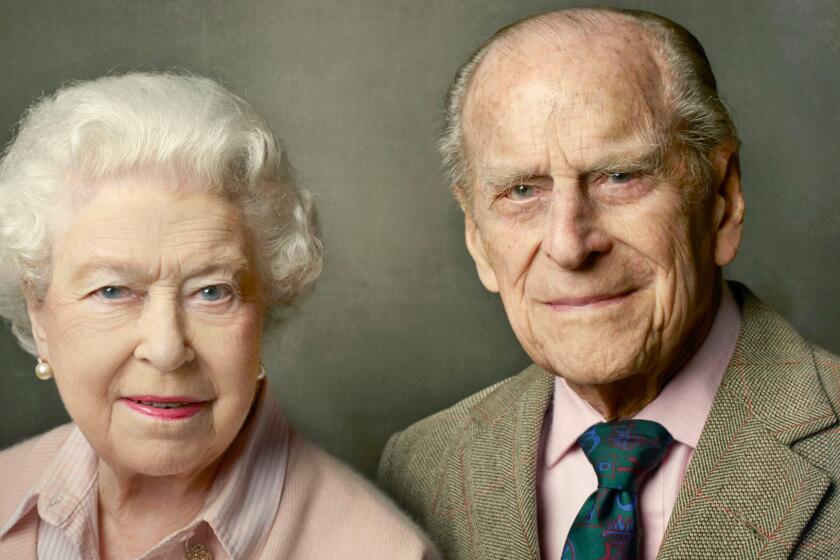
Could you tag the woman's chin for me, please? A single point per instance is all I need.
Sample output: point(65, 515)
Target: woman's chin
point(143, 444)
point(159, 458)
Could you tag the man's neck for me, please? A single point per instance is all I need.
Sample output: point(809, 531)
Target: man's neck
point(626, 397)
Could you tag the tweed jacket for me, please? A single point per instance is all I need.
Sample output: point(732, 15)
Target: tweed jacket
point(764, 481)
point(326, 511)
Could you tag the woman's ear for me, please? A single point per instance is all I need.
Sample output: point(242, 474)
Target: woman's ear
point(35, 310)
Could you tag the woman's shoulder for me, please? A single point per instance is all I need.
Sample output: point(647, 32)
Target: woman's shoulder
point(35, 451)
point(327, 507)
point(322, 476)
point(22, 465)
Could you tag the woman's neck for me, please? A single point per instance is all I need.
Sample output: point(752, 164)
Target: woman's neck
point(137, 511)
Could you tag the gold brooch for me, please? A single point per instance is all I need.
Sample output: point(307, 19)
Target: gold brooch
point(196, 552)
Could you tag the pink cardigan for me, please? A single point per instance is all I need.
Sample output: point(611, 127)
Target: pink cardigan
point(326, 510)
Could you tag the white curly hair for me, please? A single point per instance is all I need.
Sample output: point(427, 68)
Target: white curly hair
point(186, 129)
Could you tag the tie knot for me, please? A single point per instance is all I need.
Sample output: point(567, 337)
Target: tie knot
point(624, 452)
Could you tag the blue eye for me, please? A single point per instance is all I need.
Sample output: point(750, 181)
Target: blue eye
point(619, 178)
point(522, 192)
point(112, 292)
point(215, 292)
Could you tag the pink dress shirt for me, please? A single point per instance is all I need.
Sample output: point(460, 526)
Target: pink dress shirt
point(48, 502)
point(565, 478)
point(235, 519)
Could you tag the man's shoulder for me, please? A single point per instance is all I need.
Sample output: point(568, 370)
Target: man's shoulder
point(828, 367)
point(827, 362)
point(432, 435)
point(420, 460)
point(768, 338)
point(320, 491)
point(823, 447)
point(774, 419)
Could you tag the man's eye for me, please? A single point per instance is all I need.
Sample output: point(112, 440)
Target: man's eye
point(113, 292)
point(522, 192)
point(619, 178)
point(215, 292)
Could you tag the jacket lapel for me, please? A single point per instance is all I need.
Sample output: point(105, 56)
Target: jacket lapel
point(499, 468)
point(746, 493)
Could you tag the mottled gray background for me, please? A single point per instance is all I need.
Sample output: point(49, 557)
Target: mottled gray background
point(399, 326)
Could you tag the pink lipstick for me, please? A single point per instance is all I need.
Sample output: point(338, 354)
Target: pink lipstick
point(164, 408)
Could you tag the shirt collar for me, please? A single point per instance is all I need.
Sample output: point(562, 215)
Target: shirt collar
point(681, 407)
point(246, 494)
point(240, 507)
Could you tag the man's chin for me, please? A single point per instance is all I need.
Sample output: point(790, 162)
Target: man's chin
point(591, 368)
point(592, 378)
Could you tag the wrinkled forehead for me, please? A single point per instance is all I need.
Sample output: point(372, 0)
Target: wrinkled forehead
point(79, 190)
point(601, 85)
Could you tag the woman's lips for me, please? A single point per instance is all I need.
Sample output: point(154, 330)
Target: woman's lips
point(165, 408)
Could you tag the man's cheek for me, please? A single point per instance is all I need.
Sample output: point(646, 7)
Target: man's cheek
point(505, 266)
point(512, 260)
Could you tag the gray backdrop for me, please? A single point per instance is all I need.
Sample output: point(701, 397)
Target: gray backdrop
point(399, 326)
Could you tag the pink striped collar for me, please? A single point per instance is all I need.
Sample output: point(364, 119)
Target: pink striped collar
point(239, 510)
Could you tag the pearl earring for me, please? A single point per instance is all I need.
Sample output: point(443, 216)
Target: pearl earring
point(43, 370)
point(261, 374)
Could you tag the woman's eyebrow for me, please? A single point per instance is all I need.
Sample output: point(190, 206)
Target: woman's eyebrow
point(122, 269)
point(232, 265)
point(130, 271)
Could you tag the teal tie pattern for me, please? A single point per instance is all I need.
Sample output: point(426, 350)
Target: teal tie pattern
point(622, 453)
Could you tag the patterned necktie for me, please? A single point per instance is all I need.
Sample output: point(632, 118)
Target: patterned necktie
point(622, 454)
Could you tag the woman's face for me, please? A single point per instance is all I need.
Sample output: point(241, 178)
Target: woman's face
point(152, 325)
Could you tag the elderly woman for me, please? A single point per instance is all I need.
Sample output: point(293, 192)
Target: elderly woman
point(149, 231)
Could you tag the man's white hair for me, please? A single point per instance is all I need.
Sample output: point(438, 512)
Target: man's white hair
point(186, 130)
point(699, 120)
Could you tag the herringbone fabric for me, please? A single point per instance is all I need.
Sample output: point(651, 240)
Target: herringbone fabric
point(622, 453)
point(764, 481)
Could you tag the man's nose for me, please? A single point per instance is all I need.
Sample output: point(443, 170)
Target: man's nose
point(163, 342)
point(573, 238)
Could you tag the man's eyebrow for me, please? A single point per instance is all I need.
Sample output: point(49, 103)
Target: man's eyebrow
point(500, 179)
point(648, 159)
point(645, 159)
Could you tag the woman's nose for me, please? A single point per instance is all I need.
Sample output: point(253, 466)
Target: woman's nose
point(162, 338)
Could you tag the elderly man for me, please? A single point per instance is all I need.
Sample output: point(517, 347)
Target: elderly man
point(667, 412)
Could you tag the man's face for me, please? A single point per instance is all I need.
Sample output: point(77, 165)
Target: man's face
point(604, 254)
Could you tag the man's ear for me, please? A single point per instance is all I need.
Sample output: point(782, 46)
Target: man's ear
point(476, 248)
point(729, 205)
point(35, 310)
